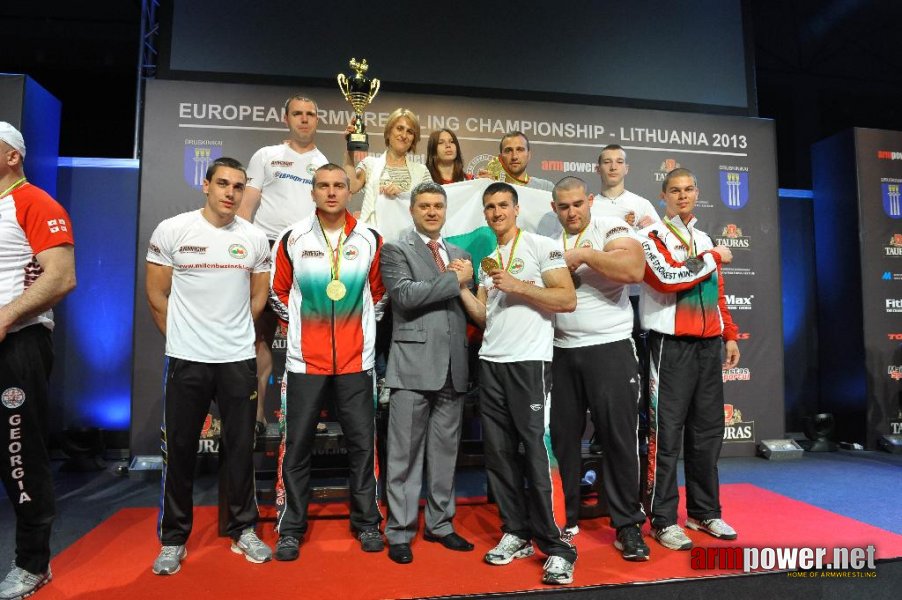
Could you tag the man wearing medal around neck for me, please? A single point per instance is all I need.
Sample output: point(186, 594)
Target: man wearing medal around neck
point(327, 286)
point(595, 364)
point(514, 155)
point(684, 309)
point(37, 270)
point(521, 286)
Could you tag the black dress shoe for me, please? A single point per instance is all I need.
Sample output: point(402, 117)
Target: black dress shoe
point(452, 541)
point(400, 553)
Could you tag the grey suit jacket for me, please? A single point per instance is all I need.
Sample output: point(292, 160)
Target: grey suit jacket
point(429, 326)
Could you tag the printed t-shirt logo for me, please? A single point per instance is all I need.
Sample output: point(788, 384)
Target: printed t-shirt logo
point(238, 251)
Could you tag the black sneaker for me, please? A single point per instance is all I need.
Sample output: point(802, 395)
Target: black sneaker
point(287, 548)
point(371, 540)
point(630, 543)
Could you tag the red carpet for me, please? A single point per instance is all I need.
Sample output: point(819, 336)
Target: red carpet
point(113, 560)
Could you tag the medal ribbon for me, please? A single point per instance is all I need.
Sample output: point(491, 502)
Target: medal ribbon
point(578, 237)
point(510, 258)
point(690, 245)
point(12, 187)
point(334, 255)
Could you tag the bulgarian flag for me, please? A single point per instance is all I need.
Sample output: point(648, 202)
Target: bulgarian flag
point(466, 227)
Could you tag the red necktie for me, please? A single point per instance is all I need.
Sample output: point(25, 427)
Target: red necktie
point(433, 245)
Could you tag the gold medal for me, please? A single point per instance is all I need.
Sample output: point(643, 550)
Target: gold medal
point(336, 290)
point(488, 264)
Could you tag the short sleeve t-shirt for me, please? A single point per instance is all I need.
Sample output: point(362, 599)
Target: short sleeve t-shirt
point(515, 329)
point(209, 316)
point(603, 311)
point(285, 179)
point(30, 222)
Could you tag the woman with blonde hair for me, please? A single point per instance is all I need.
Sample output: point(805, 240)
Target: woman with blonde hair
point(386, 180)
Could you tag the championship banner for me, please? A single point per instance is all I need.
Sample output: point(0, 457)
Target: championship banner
point(189, 124)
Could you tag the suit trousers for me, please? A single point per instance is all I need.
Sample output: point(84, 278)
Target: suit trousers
point(605, 379)
point(423, 427)
point(190, 386)
point(355, 409)
point(515, 404)
point(26, 357)
point(685, 409)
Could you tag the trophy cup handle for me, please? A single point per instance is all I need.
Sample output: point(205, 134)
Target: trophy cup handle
point(343, 84)
point(374, 88)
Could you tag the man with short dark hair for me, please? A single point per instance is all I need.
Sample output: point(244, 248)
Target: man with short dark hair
point(327, 286)
point(37, 270)
point(522, 284)
point(615, 200)
point(514, 155)
point(277, 195)
point(207, 280)
point(595, 364)
point(427, 372)
point(684, 309)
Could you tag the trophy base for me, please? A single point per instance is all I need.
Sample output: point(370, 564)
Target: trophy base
point(358, 142)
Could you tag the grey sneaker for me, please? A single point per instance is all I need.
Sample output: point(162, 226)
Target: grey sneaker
point(509, 548)
point(287, 548)
point(672, 537)
point(251, 547)
point(557, 571)
point(716, 527)
point(169, 561)
point(569, 533)
point(19, 583)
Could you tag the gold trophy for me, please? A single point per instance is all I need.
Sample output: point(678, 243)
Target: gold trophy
point(496, 169)
point(359, 92)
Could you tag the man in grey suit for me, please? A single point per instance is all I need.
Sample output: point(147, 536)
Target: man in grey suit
point(427, 373)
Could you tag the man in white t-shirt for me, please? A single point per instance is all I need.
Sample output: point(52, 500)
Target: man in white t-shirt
point(207, 279)
point(595, 364)
point(521, 285)
point(615, 200)
point(279, 182)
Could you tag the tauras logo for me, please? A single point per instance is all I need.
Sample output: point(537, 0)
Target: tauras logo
point(735, 429)
point(732, 237)
point(739, 302)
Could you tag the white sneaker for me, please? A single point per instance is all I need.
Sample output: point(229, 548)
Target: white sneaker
point(509, 548)
point(716, 527)
point(253, 549)
point(569, 533)
point(20, 583)
point(557, 571)
point(672, 537)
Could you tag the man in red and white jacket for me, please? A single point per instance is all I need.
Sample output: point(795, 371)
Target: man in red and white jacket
point(37, 269)
point(683, 306)
point(327, 286)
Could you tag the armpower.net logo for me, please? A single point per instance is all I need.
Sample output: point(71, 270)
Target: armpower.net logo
point(798, 561)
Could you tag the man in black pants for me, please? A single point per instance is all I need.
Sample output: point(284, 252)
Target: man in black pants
point(595, 363)
point(683, 308)
point(207, 280)
point(521, 285)
point(37, 269)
